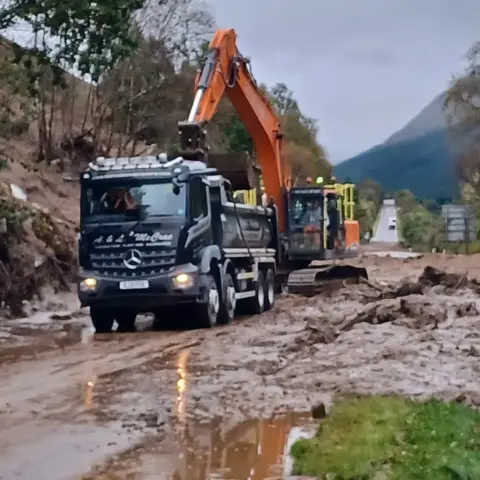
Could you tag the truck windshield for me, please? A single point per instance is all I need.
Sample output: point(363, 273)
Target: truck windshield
point(306, 210)
point(117, 201)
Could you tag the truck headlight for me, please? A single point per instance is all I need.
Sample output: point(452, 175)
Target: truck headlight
point(88, 285)
point(183, 280)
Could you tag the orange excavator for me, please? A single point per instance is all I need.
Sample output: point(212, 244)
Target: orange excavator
point(314, 222)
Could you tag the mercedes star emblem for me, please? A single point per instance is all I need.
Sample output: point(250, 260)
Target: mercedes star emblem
point(132, 259)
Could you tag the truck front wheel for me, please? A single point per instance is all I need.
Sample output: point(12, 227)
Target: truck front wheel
point(126, 321)
point(207, 312)
point(102, 319)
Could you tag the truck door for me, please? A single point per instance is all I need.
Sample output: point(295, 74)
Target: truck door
point(199, 212)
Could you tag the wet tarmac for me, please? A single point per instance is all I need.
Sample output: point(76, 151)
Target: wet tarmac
point(225, 403)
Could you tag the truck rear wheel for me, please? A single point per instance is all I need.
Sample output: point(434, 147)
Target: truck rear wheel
point(256, 304)
point(229, 302)
point(102, 319)
point(269, 289)
point(207, 313)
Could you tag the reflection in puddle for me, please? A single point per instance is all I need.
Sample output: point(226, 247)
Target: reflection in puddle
point(182, 361)
point(90, 378)
point(251, 450)
point(216, 449)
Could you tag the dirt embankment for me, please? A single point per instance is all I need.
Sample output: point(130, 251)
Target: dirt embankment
point(131, 403)
point(37, 249)
point(37, 235)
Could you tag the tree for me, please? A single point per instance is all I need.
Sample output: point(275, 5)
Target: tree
point(461, 100)
point(182, 25)
point(463, 109)
point(368, 199)
point(282, 99)
point(125, 95)
point(236, 137)
point(304, 153)
point(405, 200)
point(90, 36)
point(306, 157)
point(419, 226)
point(468, 168)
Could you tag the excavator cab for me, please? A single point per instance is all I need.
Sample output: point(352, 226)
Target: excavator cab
point(314, 223)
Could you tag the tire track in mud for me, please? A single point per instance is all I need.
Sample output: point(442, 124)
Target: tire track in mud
point(45, 405)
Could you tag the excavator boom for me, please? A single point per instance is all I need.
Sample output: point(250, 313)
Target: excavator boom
point(226, 72)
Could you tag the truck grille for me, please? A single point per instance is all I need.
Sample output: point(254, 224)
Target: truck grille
point(154, 262)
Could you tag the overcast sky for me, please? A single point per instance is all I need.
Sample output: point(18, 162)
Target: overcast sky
point(362, 68)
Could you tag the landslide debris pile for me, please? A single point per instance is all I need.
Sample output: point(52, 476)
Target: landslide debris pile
point(35, 249)
point(427, 303)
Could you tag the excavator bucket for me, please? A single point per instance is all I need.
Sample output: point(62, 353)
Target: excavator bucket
point(238, 168)
point(317, 279)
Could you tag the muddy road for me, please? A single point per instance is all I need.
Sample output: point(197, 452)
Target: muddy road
point(224, 403)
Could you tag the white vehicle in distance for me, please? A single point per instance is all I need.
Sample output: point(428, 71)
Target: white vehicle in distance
point(392, 223)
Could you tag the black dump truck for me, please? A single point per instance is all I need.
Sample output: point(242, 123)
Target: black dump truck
point(167, 237)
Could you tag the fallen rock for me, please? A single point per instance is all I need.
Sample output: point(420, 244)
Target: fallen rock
point(18, 193)
point(467, 310)
point(433, 276)
point(318, 411)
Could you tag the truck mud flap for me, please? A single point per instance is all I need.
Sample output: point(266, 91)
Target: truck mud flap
point(313, 280)
point(238, 168)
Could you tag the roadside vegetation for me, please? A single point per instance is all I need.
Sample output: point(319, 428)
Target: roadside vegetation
point(392, 438)
point(368, 200)
point(421, 225)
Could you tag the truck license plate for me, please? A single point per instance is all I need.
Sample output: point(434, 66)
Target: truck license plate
point(134, 285)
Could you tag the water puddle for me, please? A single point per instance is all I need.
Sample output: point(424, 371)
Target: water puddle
point(254, 449)
point(221, 448)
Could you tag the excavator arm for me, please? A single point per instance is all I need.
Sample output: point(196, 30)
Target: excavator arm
point(226, 72)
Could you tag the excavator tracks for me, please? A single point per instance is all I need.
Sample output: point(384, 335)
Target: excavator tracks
point(315, 279)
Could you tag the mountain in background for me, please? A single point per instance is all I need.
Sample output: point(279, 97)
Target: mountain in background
point(420, 157)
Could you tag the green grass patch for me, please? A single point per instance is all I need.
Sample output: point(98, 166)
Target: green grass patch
point(392, 438)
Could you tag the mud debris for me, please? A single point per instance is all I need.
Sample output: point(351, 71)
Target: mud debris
point(415, 312)
point(433, 277)
point(145, 387)
point(318, 411)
